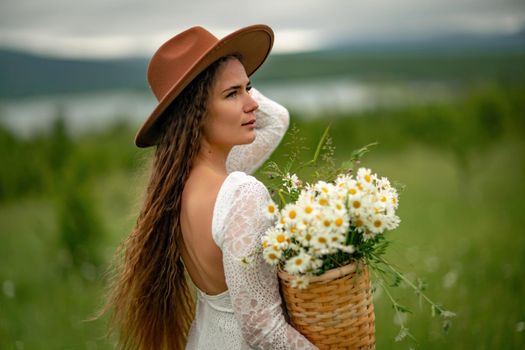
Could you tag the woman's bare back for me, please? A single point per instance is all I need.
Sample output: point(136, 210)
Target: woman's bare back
point(201, 255)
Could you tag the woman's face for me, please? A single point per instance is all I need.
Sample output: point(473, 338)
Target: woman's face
point(230, 107)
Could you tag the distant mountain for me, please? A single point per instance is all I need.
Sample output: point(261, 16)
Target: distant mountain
point(460, 42)
point(454, 56)
point(23, 74)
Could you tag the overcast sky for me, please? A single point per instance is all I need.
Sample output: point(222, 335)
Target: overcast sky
point(114, 28)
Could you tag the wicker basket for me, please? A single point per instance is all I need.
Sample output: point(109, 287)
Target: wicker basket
point(335, 311)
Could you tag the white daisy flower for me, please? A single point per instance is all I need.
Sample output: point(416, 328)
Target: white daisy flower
point(336, 238)
point(377, 223)
point(290, 214)
point(321, 240)
point(271, 209)
point(305, 238)
point(298, 264)
point(366, 178)
point(342, 180)
point(324, 188)
point(392, 222)
point(350, 249)
point(341, 222)
point(272, 255)
point(383, 183)
point(307, 210)
point(300, 282)
point(359, 223)
point(278, 238)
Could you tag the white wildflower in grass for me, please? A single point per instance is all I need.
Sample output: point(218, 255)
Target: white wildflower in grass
point(291, 182)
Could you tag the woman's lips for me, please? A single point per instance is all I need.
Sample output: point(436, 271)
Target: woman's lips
point(250, 123)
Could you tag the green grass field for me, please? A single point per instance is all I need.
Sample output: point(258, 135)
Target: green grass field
point(65, 205)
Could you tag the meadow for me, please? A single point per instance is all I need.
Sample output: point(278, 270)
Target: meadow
point(66, 203)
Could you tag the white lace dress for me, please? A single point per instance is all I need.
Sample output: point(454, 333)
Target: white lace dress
point(249, 314)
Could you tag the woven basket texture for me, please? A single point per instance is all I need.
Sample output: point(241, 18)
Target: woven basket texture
point(336, 310)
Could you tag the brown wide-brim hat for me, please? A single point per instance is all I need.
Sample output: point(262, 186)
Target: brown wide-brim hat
point(179, 60)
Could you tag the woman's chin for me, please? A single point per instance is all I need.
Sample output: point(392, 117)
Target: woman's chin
point(247, 140)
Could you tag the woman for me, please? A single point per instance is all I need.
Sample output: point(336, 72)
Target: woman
point(203, 214)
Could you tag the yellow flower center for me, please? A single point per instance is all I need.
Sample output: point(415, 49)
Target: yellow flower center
point(323, 201)
point(321, 240)
point(271, 209)
point(352, 191)
point(280, 238)
point(308, 210)
point(356, 204)
point(292, 214)
point(326, 223)
point(358, 223)
point(383, 199)
point(377, 223)
point(338, 222)
point(298, 261)
point(367, 178)
point(272, 256)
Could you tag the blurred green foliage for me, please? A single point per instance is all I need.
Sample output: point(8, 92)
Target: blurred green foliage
point(65, 203)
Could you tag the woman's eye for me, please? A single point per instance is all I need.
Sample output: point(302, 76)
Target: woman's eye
point(248, 88)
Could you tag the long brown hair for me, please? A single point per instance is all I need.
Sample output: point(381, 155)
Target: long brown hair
point(150, 299)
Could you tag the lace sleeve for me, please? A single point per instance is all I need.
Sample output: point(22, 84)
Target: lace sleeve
point(253, 284)
point(272, 122)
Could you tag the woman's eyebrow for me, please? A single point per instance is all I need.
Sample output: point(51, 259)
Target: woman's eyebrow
point(235, 87)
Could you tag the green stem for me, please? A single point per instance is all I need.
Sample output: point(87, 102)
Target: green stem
point(320, 145)
point(280, 193)
point(394, 303)
point(407, 281)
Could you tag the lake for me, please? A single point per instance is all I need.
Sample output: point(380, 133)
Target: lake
point(88, 111)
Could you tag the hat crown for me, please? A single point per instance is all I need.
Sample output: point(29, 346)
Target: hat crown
point(175, 57)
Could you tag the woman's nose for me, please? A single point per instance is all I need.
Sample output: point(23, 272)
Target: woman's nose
point(251, 105)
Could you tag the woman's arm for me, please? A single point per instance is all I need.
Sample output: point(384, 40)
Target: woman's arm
point(253, 284)
point(272, 123)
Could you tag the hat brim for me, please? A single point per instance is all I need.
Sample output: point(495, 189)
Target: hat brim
point(253, 43)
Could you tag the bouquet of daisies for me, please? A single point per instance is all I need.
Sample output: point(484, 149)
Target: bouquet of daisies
point(330, 224)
